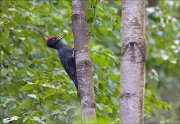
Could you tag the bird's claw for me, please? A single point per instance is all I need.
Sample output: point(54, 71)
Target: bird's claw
point(73, 54)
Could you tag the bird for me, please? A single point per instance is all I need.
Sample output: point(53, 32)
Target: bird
point(66, 55)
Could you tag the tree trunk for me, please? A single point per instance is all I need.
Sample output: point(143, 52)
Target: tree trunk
point(83, 62)
point(133, 61)
point(152, 3)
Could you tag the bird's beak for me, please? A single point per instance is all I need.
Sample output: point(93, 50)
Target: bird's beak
point(61, 36)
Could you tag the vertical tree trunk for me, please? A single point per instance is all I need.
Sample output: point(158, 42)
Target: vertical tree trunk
point(133, 61)
point(83, 62)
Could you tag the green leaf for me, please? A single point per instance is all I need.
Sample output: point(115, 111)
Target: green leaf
point(50, 92)
point(27, 87)
point(4, 71)
point(32, 96)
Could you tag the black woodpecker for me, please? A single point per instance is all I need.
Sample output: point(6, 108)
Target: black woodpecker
point(66, 56)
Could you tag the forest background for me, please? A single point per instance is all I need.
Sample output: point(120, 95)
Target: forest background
point(34, 87)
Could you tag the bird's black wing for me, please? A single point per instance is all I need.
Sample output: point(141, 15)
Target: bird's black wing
point(66, 55)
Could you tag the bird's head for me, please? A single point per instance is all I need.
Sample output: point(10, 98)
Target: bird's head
point(53, 41)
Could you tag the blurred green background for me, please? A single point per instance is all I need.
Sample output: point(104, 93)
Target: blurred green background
point(34, 87)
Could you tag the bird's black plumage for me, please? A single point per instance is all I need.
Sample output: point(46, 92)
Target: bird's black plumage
point(66, 56)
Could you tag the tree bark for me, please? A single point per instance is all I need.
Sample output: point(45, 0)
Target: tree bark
point(132, 63)
point(83, 61)
point(152, 3)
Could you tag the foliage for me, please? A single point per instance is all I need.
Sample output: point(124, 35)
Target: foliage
point(34, 87)
point(163, 60)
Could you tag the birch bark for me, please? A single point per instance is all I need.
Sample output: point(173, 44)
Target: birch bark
point(132, 63)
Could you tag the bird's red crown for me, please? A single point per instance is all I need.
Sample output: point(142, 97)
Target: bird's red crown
point(50, 38)
point(58, 38)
